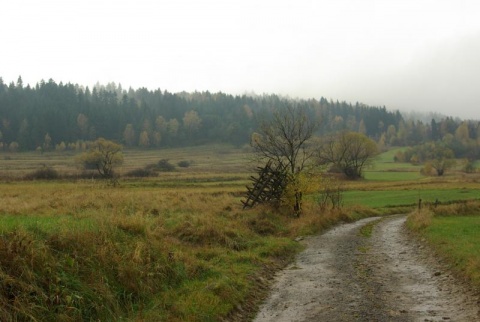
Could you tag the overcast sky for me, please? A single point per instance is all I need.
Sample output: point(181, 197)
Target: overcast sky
point(412, 55)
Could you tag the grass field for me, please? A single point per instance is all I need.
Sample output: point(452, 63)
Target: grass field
point(203, 159)
point(454, 232)
point(128, 253)
point(394, 198)
point(176, 247)
point(458, 237)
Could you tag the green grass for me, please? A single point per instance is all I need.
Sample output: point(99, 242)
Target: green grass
point(388, 156)
point(47, 224)
point(366, 230)
point(390, 198)
point(392, 175)
point(458, 239)
point(385, 169)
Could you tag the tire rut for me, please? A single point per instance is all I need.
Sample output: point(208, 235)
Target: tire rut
point(343, 276)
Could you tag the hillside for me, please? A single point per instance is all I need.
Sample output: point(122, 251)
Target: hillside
point(51, 116)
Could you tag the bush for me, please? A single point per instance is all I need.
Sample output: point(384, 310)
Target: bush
point(469, 167)
point(164, 166)
point(45, 173)
point(184, 164)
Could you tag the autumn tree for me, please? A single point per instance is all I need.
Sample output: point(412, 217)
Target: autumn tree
point(13, 147)
point(103, 156)
point(350, 152)
point(144, 140)
point(191, 123)
point(157, 138)
point(391, 135)
point(47, 142)
point(161, 124)
point(172, 127)
point(462, 133)
point(82, 123)
point(441, 158)
point(129, 135)
point(284, 140)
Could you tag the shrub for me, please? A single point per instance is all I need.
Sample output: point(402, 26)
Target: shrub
point(164, 166)
point(469, 167)
point(184, 164)
point(45, 173)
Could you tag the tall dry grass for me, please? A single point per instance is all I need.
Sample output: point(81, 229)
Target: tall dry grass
point(89, 251)
point(420, 219)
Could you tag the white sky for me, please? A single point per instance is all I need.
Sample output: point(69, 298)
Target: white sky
point(421, 55)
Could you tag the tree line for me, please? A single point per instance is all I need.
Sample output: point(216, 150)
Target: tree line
point(57, 116)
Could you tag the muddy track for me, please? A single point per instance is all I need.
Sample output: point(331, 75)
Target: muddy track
point(344, 276)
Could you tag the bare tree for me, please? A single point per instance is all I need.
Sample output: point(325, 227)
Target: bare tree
point(284, 140)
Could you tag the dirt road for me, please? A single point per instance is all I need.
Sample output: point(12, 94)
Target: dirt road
point(344, 276)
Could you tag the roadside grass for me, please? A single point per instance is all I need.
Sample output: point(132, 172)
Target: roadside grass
point(455, 236)
point(88, 251)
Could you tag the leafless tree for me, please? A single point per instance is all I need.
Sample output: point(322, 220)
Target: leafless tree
point(284, 139)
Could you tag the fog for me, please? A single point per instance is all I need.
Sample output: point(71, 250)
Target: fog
point(412, 55)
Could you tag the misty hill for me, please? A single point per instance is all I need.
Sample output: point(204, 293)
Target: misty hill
point(64, 116)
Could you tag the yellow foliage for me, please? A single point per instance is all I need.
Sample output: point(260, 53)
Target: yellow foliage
point(299, 185)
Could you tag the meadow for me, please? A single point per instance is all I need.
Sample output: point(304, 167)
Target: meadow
point(459, 239)
point(176, 247)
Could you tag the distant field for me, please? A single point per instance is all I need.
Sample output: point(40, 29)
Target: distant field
point(385, 169)
point(211, 158)
point(408, 197)
point(202, 160)
point(389, 184)
point(392, 175)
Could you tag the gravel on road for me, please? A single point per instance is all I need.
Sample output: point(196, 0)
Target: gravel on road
point(390, 276)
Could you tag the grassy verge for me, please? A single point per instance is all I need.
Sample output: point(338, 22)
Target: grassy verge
point(453, 231)
point(86, 251)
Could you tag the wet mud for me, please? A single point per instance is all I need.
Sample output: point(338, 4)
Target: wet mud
point(344, 276)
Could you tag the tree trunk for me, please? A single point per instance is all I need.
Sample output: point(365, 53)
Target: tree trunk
point(297, 208)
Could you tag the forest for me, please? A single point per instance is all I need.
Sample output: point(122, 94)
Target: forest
point(57, 116)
